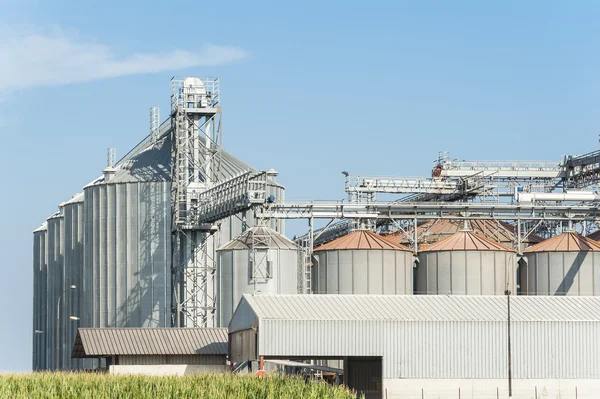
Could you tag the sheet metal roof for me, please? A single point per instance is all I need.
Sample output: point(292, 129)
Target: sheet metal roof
point(362, 239)
point(594, 236)
point(569, 241)
point(263, 237)
point(436, 230)
point(43, 227)
point(424, 307)
point(94, 342)
point(150, 161)
point(74, 199)
point(467, 240)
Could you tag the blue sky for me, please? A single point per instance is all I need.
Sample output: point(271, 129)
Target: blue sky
point(308, 88)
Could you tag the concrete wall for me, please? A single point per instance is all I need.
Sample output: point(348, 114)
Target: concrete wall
point(490, 388)
point(167, 369)
point(151, 360)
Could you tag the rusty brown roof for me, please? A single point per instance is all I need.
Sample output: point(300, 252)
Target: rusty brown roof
point(594, 236)
point(94, 342)
point(467, 240)
point(436, 230)
point(362, 239)
point(569, 241)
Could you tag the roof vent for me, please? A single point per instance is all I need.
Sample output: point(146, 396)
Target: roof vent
point(111, 160)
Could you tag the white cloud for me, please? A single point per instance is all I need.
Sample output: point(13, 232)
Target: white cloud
point(32, 59)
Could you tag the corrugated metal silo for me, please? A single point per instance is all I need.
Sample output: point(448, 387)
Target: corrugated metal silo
point(73, 275)
point(126, 276)
point(40, 263)
point(362, 262)
point(259, 261)
point(54, 287)
point(567, 264)
point(466, 264)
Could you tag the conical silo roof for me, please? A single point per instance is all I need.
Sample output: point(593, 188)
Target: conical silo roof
point(569, 241)
point(43, 227)
point(466, 240)
point(260, 237)
point(362, 239)
point(594, 236)
point(435, 230)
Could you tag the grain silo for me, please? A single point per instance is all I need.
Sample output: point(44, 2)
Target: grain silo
point(259, 261)
point(54, 286)
point(466, 264)
point(362, 262)
point(40, 263)
point(126, 243)
point(73, 275)
point(432, 231)
point(567, 264)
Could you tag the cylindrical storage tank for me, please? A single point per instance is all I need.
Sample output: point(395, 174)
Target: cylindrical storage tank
point(259, 261)
point(127, 239)
point(362, 262)
point(466, 264)
point(567, 264)
point(40, 263)
point(54, 288)
point(73, 275)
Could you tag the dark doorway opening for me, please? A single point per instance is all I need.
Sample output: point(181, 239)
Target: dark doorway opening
point(364, 374)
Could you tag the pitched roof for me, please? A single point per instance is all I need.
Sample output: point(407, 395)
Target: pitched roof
point(435, 230)
point(260, 237)
point(94, 342)
point(423, 307)
point(466, 240)
point(569, 241)
point(362, 239)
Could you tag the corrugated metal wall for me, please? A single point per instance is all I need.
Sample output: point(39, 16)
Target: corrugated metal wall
point(363, 272)
point(465, 272)
point(444, 350)
point(54, 284)
point(172, 359)
point(561, 273)
point(73, 275)
point(40, 263)
point(127, 255)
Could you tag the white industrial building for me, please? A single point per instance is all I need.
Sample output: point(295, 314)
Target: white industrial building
point(430, 346)
point(154, 351)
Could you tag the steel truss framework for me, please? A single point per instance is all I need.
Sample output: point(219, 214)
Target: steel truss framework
point(195, 168)
point(200, 198)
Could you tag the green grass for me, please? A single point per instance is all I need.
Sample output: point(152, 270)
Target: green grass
point(201, 386)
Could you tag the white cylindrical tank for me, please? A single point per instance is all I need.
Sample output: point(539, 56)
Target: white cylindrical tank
point(40, 263)
point(362, 262)
point(259, 261)
point(567, 264)
point(466, 264)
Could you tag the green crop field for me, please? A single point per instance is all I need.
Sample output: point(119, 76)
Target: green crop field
point(201, 386)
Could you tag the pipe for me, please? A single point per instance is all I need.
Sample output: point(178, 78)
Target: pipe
point(568, 196)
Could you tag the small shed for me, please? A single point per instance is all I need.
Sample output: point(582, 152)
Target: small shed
point(155, 351)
